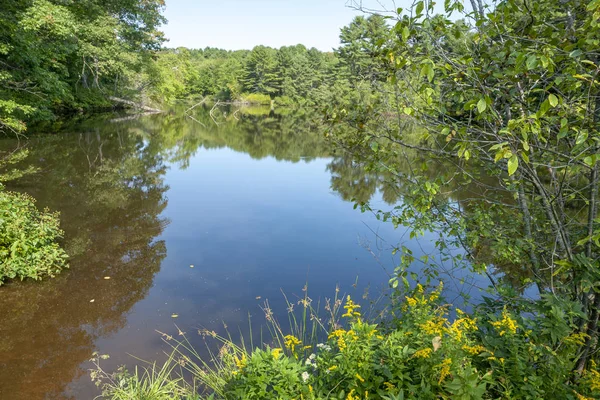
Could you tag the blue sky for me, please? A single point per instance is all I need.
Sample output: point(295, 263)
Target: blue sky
point(243, 24)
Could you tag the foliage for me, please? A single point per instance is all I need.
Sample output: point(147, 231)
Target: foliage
point(152, 383)
point(28, 247)
point(256, 98)
point(512, 101)
point(420, 353)
point(53, 53)
point(294, 74)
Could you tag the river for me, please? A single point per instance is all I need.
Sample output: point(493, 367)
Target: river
point(175, 224)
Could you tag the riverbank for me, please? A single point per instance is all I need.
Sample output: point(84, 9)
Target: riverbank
point(419, 352)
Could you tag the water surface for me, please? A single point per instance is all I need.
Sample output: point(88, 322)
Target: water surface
point(256, 204)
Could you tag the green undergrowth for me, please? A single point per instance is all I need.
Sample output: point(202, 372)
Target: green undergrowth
point(28, 236)
point(28, 247)
point(426, 349)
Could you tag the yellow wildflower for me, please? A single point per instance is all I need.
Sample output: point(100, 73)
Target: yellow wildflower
point(462, 325)
point(436, 293)
point(276, 352)
point(506, 324)
point(240, 363)
point(411, 301)
point(340, 335)
point(592, 378)
point(577, 338)
point(307, 347)
point(332, 368)
point(337, 333)
point(360, 378)
point(291, 342)
point(389, 385)
point(423, 353)
point(445, 370)
point(433, 328)
point(351, 308)
point(473, 350)
point(351, 396)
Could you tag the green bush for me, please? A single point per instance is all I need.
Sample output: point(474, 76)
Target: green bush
point(28, 247)
point(256, 98)
point(285, 101)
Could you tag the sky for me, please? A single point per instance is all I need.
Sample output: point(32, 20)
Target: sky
point(243, 24)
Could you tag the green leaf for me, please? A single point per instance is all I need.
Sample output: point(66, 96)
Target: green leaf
point(513, 163)
point(589, 160)
point(553, 100)
point(543, 108)
point(405, 33)
point(581, 137)
point(575, 53)
point(481, 105)
point(531, 62)
point(419, 9)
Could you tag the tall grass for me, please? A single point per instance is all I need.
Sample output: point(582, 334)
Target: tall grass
point(145, 383)
point(307, 321)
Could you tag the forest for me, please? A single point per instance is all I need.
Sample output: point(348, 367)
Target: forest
point(477, 122)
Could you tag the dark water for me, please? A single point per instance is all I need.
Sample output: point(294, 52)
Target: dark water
point(257, 204)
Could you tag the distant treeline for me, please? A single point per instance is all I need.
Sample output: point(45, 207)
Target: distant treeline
point(288, 75)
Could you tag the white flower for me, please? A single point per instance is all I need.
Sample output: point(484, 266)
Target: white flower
point(324, 346)
point(312, 356)
point(305, 376)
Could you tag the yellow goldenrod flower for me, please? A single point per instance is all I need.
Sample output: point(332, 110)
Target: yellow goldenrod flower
point(337, 333)
point(433, 327)
point(473, 350)
point(582, 397)
point(592, 378)
point(445, 369)
point(506, 324)
point(389, 385)
point(351, 308)
point(240, 363)
point(423, 353)
point(276, 352)
point(411, 301)
point(577, 338)
point(360, 378)
point(291, 342)
point(332, 368)
point(351, 396)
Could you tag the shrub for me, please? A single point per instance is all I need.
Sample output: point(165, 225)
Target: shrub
point(256, 98)
point(28, 247)
point(285, 101)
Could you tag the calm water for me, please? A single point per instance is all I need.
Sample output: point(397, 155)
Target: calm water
point(257, 204)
